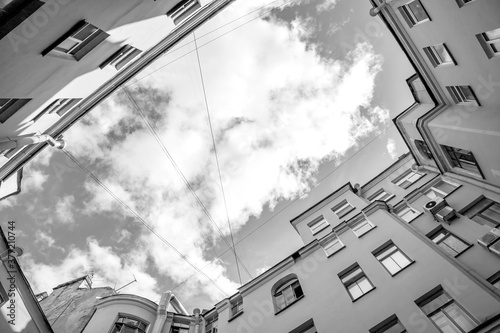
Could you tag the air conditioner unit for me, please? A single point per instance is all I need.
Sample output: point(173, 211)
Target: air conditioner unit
point(435, 205)
point(446, 214)
point(491, 237)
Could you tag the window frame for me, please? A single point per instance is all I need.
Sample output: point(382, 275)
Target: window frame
point(331, 241)
point(447, 234)
point(455, 158)
point(494, 280)
point(11, 107)
point(374, 196)
point(407, 206)
point(237, 304)
point(386, 324)
point(182, 10)
point(61, 106)
point(318, 221)
point(435, 58)
point(121, 58)
point(359, 221)
point(178, 327)
point(471, 211)
point(289, 283)
point(435, 294)
point(131, 317)
point(82, 48)
point(460, 97)
point(462, 3)
point(410, 17)
point(382, 253)
point(433, 188)
point(405, 177)
point(212, 323)
point(487, 44)
point(305, 327)
point(342, 209)
point(360, 274)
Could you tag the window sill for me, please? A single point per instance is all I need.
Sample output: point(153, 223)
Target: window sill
point(411, 263)
point(320, 230)
point(331, 254)
point(459, 254)
point(289, 305)
point(235, 316)
point(367, 231)
point(416, 217)
point(360, 297)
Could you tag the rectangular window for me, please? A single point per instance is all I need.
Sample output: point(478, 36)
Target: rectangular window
point(236, 306)
point(212, 324)
point(342, 209)
point(361, 227)
point(448, 241)
point(392, 258)
point(495, 280)
point(9, 106)
point(307, 327)
point(390, 325)
point(126, 324)
point(440, 189)
point(408, 213)
point(439, 55)
point(332, 244)
point(463, 159)
point(318, 225)
point(407, 179)
point(183, 9)
point(444, 312)
point(382, 195)
point(356, 282)
point(490, 42)
point(462, 94)
point(485, 212)
point(77, 42)
point(414, 13)
point(178, 328)
point(59, 106)
point(462, 3)
point(121, 57)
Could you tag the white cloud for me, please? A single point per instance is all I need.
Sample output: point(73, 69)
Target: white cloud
point(47, 241)
point(64, 209)
point(391, 148)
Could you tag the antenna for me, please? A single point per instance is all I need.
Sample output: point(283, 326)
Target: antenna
point(135, 280)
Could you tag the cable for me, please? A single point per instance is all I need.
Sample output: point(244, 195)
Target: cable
point(214, 39)
point(216, 156)
point(290, 203)
point(139, 218)
point(176, 167)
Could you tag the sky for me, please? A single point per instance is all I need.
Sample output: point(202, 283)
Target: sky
point(300, 97)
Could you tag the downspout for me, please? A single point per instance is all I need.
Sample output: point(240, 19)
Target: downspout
point(197, 320)
point(22, 141)
point(161, 312)
point(178, 306)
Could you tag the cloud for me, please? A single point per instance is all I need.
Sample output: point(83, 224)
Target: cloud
point(64, 210)
point(47, 241)
point(278, 111)
point(391, 148)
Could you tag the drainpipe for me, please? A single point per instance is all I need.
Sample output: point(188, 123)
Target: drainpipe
point(21, 141)
point(197, 320)
point(161, 312)
point(376, 10)
point(178, 306)
point(358, 189)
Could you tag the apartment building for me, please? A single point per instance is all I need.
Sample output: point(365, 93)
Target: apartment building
point(62, 57)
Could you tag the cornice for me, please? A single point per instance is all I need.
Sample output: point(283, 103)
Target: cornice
point(128, 299)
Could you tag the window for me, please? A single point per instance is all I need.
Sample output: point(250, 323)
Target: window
point(408, 213)
point(77, 42)
point(462, 94)
point(423, 149)
point(318, 225)
point(463, 159)
point(361, 227)
point(9, 106)
point(462, 3)
point(4, 298)
point(448, 241)
point(121, 57)
point(342, 209)
point(59, 106)
point(236, 306)
point(286, 292)
point(392, 258)
point(212, 324)
point(414, 13)
point(485, 212)
point(129, 324)
point(495, 280)
point(179, 328)
point(356, 282)
point(439, 55)
point(390, 325)
point(490, 42)
point(183, 9)
point(382, 195)
point(13, 13)
point(332, 244)
point(440, 189)
point(445, 313)
point(407, 178)
point(307, 327)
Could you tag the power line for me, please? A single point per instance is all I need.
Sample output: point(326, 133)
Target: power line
point(176, 167)
point(216, 156)
point(139, 218)
point(291, 202)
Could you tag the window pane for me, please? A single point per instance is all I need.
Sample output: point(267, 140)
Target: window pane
point(455, 243)
point(443, 53)
point(436, 303)
point(85, 32)
point(438, 237)
point(493, 34)
point(66, 45)
point(459, 317)
point(444, 323)
point(364, 285)
point(400, 259)
point(355, 291)
point(391, 265)
point(493, 212)
point(280, 301)
point(417, 10)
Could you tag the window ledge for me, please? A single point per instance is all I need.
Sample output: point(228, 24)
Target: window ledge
point(416, 217)
point(331, 254)
point(320, 230)
point(367, 231)
point(459, 254)
point(289, 305)
point(235, 316)
point(360, 297)
point(411, 263)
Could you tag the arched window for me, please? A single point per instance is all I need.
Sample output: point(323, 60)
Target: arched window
point(129, 324)
point(286, 291)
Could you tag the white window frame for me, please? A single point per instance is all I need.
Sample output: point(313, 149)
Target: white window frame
point(354, 277)
point(343, 208)
point(318, 224)
point(236, 307)
point(359, 225)
point(435, 57)
point(438, 192)
point(408, 178)
point(410, 16)
point(388, 325)
point(183, 9)
point(138, 328)
point(332, 244)
point(290, 287)
point(407, 210)
point(459, 95)
point(382, 195)
point(390, 253)
point(212, 324)
point(121, 57)
point(441, 235)
point(489, 45)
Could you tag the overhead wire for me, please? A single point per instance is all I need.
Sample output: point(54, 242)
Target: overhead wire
point(179, 171)
point(216, 155)
point(140, 219)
